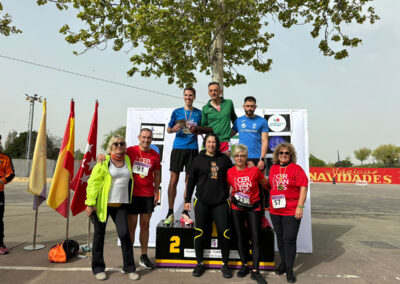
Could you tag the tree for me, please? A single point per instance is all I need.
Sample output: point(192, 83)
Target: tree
point(346, 163)
point(16, 145)
point(179, 38)
point(120, 131)
point(5, 24)
point(315, 162)
point(362, 154)
point(387, 154)
point(78, 154)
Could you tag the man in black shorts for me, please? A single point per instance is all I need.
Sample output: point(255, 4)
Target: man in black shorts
point(184, 150)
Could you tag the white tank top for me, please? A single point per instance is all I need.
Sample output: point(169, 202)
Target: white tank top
point(119, 190)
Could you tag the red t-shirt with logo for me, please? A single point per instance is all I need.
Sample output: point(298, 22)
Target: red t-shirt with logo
point(144, 185)
point(245, 182)
point(291, 179)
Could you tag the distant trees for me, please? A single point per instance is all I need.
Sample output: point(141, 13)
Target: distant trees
point(119, 131)
point(362, 154)
point(387, 154)
point(315, 162)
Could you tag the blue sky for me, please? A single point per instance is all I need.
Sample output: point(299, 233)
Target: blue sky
point(351, 103)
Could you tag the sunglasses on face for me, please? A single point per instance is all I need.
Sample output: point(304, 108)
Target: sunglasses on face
point(116, 144)
point(240, 156)
point(284, 153)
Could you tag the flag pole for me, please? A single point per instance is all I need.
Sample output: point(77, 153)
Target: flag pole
point(69, 196)
point(35, 246)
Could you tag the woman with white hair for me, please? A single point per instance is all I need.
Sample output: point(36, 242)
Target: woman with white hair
point(245, 198)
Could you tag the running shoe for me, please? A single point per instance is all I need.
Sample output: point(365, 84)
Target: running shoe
point(101, 276)
point(243, 271)
point(198, 270)
point(4, 250)
point(280, 270)
point(169, 220)
point(133, 276)
point(290, 277)
point(145, 262)
point(226, 272)
point(186, 219)
point(255, 275)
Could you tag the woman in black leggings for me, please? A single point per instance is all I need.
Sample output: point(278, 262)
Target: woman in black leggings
point(287, 197)
point(208, 174)
point(245, 200)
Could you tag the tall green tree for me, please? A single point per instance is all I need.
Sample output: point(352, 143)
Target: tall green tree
point(215, 37)
point(362, 154)
point(315, 162)
point(387, 154)
point(119, 131)
point(5, 24)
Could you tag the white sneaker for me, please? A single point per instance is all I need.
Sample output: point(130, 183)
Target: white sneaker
point(101, 276)
point(134, 276)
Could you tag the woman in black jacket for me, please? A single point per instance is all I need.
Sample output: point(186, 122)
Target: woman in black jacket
point(208, 174)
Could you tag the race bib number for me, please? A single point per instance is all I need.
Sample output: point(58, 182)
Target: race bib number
point(140, 168)
point(278, 201)
point(242, 198)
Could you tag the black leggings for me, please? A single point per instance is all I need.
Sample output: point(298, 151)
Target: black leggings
point(2, 204)
point(253, 220)
point(220, 214)
point(286, 229)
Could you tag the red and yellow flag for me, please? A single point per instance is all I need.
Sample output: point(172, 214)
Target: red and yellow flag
point(59, 190)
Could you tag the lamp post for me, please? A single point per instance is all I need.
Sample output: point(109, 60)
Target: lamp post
point(31, 100)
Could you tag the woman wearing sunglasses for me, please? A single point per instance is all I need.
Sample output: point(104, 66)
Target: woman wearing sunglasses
point(245, 198)
point(108, 193)
point(287, 197)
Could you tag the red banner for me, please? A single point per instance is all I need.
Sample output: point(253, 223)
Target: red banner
point(351, 175)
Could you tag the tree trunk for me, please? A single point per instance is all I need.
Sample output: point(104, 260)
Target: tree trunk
point(217, 54)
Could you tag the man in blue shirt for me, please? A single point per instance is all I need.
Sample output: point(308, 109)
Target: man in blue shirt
point(184, 150)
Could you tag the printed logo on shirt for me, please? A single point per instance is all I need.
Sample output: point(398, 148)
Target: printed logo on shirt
point(214, 170)
point(243, 125)
point(243, 184)
point(254, 125)
point(281, 181)
point(145, 160)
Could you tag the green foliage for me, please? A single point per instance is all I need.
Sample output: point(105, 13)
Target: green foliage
point(387, 154)
point(120, 131)
point(178, 37)
point(315, 162)
point(343, 163)
point(5, 24)
point(362, 154)
point(78, 155)
point(16, 145)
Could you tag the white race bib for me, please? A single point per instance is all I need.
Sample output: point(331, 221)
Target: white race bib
point(140, 168)
point(242, 198)
point(278, 201)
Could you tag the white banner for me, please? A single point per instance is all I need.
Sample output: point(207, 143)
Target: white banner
point(288, 125)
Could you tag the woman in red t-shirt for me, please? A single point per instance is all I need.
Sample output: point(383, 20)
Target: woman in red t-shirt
point(287, 197)
point(245, 200)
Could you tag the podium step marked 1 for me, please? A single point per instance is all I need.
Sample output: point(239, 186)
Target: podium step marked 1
point(175, 248)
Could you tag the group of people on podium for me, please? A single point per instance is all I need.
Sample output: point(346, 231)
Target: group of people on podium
point(125, 186)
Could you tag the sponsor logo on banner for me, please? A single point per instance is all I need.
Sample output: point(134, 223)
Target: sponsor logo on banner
point(277, 123)
point(275, 141)
point(157, 129)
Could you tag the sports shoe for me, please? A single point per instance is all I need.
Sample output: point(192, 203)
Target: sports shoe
point(255, 275)
point(4, 250)
point(186, 219)
point(134, 276)
point(101, 276)
point(145, 262)
point(169, 220)
point(243, 271)
point(290, 277)
point(280, 270)
point(198, 270)
point(226, 272)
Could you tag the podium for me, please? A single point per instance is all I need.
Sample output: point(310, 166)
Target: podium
point(175, 248)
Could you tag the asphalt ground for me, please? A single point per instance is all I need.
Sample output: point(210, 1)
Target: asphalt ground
point(356, 239)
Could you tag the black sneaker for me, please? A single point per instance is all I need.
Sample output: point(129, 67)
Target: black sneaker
point(145, 262)
point(198, 270)
point(280, 270)
point(244, 270)
point(255, 275)
point(226, 272)
point(290, 277)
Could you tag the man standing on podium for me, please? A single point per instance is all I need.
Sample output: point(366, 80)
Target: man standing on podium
point(184, 150)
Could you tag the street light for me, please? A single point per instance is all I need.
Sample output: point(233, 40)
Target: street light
point(31, 100)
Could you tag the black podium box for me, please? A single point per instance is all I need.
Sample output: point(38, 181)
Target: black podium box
point(175, 248)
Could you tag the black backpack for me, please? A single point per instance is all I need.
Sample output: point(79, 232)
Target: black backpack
point(71, 248)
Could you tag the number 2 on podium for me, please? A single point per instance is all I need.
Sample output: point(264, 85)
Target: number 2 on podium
point(175, 243)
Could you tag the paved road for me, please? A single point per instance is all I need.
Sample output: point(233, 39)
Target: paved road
point(355, 240)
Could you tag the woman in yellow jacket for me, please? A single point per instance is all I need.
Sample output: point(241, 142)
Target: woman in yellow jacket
point(108, 193)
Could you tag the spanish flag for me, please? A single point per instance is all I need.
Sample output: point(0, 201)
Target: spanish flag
point(37, 178)
point(59, 190)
